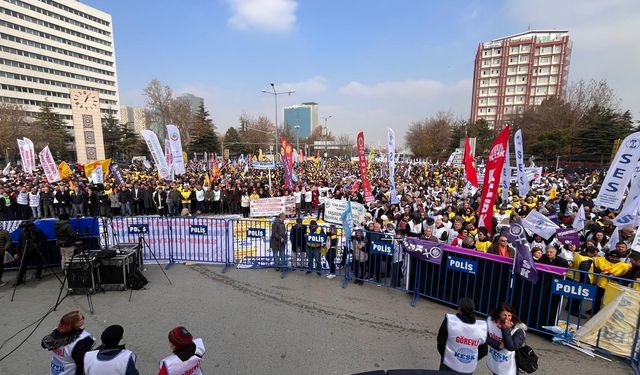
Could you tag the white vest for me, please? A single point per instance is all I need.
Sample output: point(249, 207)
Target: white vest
point(61, 360)
point(115, 366)
point(501, 362)
point(175, 366)
point(461, 351)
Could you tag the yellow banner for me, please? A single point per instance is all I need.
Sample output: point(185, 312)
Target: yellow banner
point(89, 167)
point(64, 170)
point(614, 327)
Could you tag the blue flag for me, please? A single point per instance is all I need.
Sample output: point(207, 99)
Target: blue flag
point(523, 262)
point(347, 222)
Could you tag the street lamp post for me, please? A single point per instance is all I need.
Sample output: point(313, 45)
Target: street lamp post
point(275, 96)
point(326, 134)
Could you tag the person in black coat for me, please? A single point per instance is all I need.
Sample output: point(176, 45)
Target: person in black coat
point(551, 258)
point(147, 199)
point(32, 240)
point(296, 236)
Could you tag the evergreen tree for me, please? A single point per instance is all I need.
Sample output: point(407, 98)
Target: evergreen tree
point(232, 141)
point(132, 143)
point(203, 133)
point(52, 130)
point(112, 135)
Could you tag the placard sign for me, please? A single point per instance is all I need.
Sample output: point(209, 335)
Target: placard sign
point(138, 228)
point(573, 289)
point(463, 265)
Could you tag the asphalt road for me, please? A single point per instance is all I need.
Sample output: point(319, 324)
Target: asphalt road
point(253, 322)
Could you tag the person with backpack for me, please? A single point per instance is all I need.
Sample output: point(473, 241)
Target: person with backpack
point(506, 334)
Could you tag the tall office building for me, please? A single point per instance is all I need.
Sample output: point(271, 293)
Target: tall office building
point(194, 101)
point(304, 115)
point(60, 51)
point(136, 118)
point(519, 71)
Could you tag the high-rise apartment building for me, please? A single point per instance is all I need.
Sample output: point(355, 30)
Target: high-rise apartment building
point(304, 115)
point(136, 118)
point(60, 51)
point(518, 71)
point(194, 101)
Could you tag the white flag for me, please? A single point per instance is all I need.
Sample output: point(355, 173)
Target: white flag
point(31, 154)
point(537, 223)
point(615, 238)
point(578, 221)
point(49, 165)
point(523, 183)
point(97, 176)
point(506, 177)
point(169, 155)
point(391, 145)
point(629, 213)
point(6, 169)
point(156, 152)
point(620, 172)
point(22, 147)
point(173, 134)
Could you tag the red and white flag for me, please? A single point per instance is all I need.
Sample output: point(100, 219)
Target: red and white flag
point(493, 169)
point(469, 165)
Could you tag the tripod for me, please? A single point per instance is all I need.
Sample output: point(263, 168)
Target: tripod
point(86, 266)
point(28, 246)
point(142, 243)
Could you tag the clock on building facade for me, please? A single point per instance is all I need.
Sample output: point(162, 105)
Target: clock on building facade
point(87, 125)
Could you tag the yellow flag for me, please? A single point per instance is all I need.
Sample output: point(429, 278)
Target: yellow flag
point(207, 182)
point(185, 157)
point(426, 168)
point(89, 167)
point(64, 170)
point(260, 155)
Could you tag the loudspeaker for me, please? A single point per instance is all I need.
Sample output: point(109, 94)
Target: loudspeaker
point(82, 276)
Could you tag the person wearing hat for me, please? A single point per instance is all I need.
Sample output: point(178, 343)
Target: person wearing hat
point(459, 339)
point(110, 358)
point(65, 238)
point(186, 354)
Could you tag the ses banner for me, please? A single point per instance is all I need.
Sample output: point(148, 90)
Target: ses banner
point(272, 206)
point(333, 209)
point(622, 168)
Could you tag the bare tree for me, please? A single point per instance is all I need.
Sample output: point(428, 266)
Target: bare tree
point(181, 116)
point(431, 137)
point(14, 124)
point(584, 95)
point(159, 103)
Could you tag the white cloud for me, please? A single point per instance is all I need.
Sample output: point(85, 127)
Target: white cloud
point(414, 89)
point(315, 85)
point(266, 15)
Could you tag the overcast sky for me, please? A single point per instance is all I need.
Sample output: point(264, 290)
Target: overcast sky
point(369, 64)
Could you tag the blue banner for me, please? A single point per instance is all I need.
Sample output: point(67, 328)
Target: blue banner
point(138, 228)
point(198, 230)
point(382, 247)
point(463, 265)
point(573, 289)
point(117, 173)
point(256, 233)
point(425, 250)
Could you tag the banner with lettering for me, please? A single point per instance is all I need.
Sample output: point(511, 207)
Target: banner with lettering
point(505, 177)
point(156, 152)
point(177, 159)
point(362, 163)
point(22, 147)
point(169, 155)
point(333, 209)
point(568, 235)
point(537, 223)
point(622, 168)
point(493, 168)
point(391, 159)
point(30, 153)
point(523, 262)
point(266, 207)
point(117, 173)
point(49, 165)
point(523, 182)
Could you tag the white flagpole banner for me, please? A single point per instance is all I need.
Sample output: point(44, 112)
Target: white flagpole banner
point(391, 138)
point(506, 177)
point(620, 172)
point(173, 134)
point(523, 183)
point(156, 152)
point(31, 154)
point(578, 221)
point(537, 223)
point(22, 147)
point(629, 213)
point(97, 176)
point(49, 165)
point(6, 169)
point(168, 153)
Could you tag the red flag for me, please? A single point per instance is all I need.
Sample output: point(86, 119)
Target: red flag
point(493, 170)
point(469, 166)
point(362, 162)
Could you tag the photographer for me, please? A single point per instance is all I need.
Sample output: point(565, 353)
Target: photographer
point(65, 238)
point(32, 240)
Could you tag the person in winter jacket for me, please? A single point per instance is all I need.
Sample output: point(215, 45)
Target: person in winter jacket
point(110, 358)
point(506, 334)
point(68, 344)
point(186, 354)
